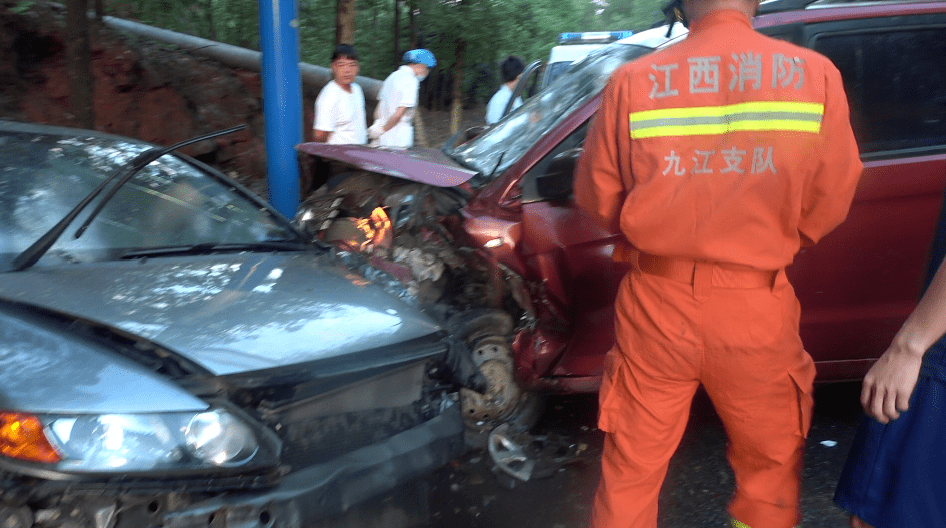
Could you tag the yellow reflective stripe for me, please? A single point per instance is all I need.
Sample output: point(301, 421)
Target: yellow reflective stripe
point(707, 130)
point(715, 120)
point(738, 108)
point(737, 524)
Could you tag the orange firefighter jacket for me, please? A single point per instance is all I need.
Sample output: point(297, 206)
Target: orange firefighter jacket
point(729, 146)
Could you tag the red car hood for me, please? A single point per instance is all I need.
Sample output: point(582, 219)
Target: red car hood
point(424, 165)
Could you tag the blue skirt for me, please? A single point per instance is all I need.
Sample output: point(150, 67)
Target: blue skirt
point(895, 474)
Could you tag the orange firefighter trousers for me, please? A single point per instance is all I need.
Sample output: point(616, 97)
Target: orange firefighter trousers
point(735, 331)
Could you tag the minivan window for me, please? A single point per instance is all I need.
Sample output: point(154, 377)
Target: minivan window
point(896, 84)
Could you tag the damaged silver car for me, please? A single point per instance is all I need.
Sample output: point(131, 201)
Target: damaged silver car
point(175, 354)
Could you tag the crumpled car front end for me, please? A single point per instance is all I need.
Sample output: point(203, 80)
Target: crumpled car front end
point(403, 234)
point(101, 428)
point(175, 354)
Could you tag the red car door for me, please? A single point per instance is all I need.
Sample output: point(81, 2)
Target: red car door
point(858, 285)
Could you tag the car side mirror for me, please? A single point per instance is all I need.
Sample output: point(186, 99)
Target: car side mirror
point(556, 184)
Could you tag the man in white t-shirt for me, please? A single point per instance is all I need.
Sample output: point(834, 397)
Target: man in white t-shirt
point(340, 106)
point(393, 124)
point(511, 70)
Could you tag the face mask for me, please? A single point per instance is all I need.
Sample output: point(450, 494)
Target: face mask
point(421, 77)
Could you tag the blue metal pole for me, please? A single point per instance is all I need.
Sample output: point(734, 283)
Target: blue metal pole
point(282, 100)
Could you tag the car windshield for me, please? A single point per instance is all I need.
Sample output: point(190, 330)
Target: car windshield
point(556, 69)
point(169, 203)
point(502, 144)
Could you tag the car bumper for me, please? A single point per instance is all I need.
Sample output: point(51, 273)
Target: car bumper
point(323, 492)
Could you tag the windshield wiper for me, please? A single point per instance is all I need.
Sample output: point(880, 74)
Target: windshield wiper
point(206, 248)
point(500, 160)
point(32, 254)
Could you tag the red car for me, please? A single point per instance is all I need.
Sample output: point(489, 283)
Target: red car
point(486, 234)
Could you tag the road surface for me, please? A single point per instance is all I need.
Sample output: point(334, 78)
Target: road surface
point(471, 493)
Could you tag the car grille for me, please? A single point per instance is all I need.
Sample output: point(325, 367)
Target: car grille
point(318, 428)
point(322, 438)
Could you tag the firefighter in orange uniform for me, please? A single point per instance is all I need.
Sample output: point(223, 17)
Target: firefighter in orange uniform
point(717, 158)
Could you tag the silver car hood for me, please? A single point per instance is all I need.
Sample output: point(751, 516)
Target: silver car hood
point(230, 313)
point(48, 369)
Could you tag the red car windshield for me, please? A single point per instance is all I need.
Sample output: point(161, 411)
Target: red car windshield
point(502, 144)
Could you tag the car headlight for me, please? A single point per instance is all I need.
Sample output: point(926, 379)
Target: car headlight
point(219, 438)
point(142, 442)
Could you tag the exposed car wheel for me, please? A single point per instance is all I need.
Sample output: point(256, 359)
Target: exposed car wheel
point(504, 401)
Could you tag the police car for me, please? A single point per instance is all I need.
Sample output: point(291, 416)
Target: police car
point(576, 46)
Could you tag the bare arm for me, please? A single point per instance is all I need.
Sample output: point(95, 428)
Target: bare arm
point(320, 136)
point(395, 118)
point(890, 382)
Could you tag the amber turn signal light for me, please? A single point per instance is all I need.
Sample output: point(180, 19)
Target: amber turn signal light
point(22, 437)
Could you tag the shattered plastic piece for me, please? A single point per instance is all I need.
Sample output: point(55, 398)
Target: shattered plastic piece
point(526, 456)
point(508, 455)
point(829, 443)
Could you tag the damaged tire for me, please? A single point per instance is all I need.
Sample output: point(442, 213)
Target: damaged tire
point(504, 401)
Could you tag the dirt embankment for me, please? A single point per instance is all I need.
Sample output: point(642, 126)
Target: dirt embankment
point(151, 91)
point(142, 89)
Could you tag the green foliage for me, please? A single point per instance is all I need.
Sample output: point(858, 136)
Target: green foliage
point(236, 22)
point(374, 34)
point(22, 7)
point(374, 37)
point(491, 29)
point(631, 14)
point(232, 21)
point(316, 31)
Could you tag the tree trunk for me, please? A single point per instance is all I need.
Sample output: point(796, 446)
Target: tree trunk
point(420, 130)
point(345, 22)
point(397, 32)
point(79, 58)
point(456, 112)
point(414, 15)
point(211, 21)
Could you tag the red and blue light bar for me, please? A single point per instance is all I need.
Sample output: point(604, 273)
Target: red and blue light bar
point(593, 37)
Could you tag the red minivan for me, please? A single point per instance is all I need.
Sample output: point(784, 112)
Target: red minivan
point(485, 234)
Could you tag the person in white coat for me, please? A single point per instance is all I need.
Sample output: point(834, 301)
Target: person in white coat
point(397, 101)
point(340, 106)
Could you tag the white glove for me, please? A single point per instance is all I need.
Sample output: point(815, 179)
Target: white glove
point(375, 130)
